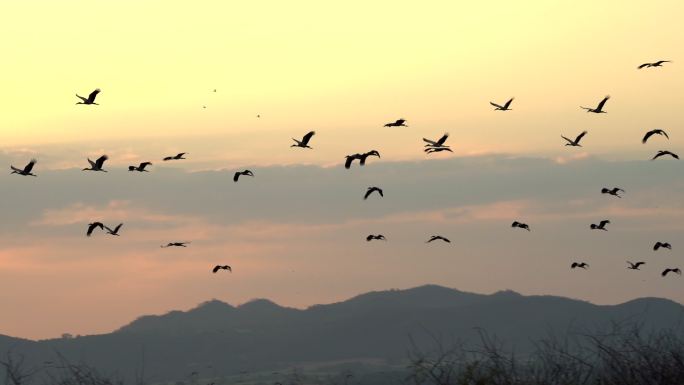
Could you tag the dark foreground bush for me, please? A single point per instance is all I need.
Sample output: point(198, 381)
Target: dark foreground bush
point(623, 355)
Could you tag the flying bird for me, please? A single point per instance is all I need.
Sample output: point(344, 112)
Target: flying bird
point(362, 158)
point(675, 270)
point(663, 153)
point(304, 143)
point(504, 107)
point(438, 238)
point(397, 123)
point(436, 143)
point(378, 237)
point(140, 167)
point(175, 157)
point(576, 142)
point(115, 231)
point(97, 165)
point(600, 226)
point(581, 265)
point(221, 267)
point(614, 191)
point(654, 132)
point(175, 244)
point(659, 63)
point(521, 225)
point(93, 226)
point(238, 173)
point(635, 266)
point(664, 245)
point(90, 99)
point(431, 150)
point(372, 190)
point(599, 108)
point(349, 159)
point(26, 170)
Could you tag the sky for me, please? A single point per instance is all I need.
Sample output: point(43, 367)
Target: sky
point(295, 233)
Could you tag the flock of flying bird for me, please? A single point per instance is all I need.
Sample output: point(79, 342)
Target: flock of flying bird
point(431, 146)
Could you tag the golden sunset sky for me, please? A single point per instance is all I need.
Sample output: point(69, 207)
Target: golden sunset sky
point(342, 69)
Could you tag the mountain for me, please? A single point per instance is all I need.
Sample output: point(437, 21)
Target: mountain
point(261, 335)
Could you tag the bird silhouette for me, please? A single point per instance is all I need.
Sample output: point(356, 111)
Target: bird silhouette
point(635, 266)
point(663, 153)
point(175, 157)
point(671, 270)
point(659, 63)
point(600, 226)
point(115, 231)
point(239, 173)
point(97, 165)
point(581, 265)
point(378, 237)
point(90, 99)
point(372, 190)
point(140, 167)
point(576, 142)
point(397, 123)
point(175, 244)
point(436, 143)
point(599, 107)
point(221, 267)
point(521, 225)
point(438, 238)
point(304, 143)
point(664, 245)
point(431, 150)
point(614, 191)
point(361, 157)
point(505, 107)
point(93, 226)
point(654, 132)
point(26, 170)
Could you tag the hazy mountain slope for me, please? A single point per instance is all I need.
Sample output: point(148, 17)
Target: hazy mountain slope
point(261, 335)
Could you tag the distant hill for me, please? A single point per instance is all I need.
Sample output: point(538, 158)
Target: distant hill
point(261, 335)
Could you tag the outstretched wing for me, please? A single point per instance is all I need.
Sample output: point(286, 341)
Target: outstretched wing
point(659, 62)
point(496, 105)
point(644, 65)
point(580, 136)
point(215, 269)
point(84, 100)
point(100, 161)
point(602, 103)
point(348, 161)
point(443, 139)
point(16, 169)
point(368, 193)
point(648, 135)
point(508, 103)
point(93, 95)
point(569, 141)
point(236, 176)
point(604, 222)
point(306, 138)
point(430, 142)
